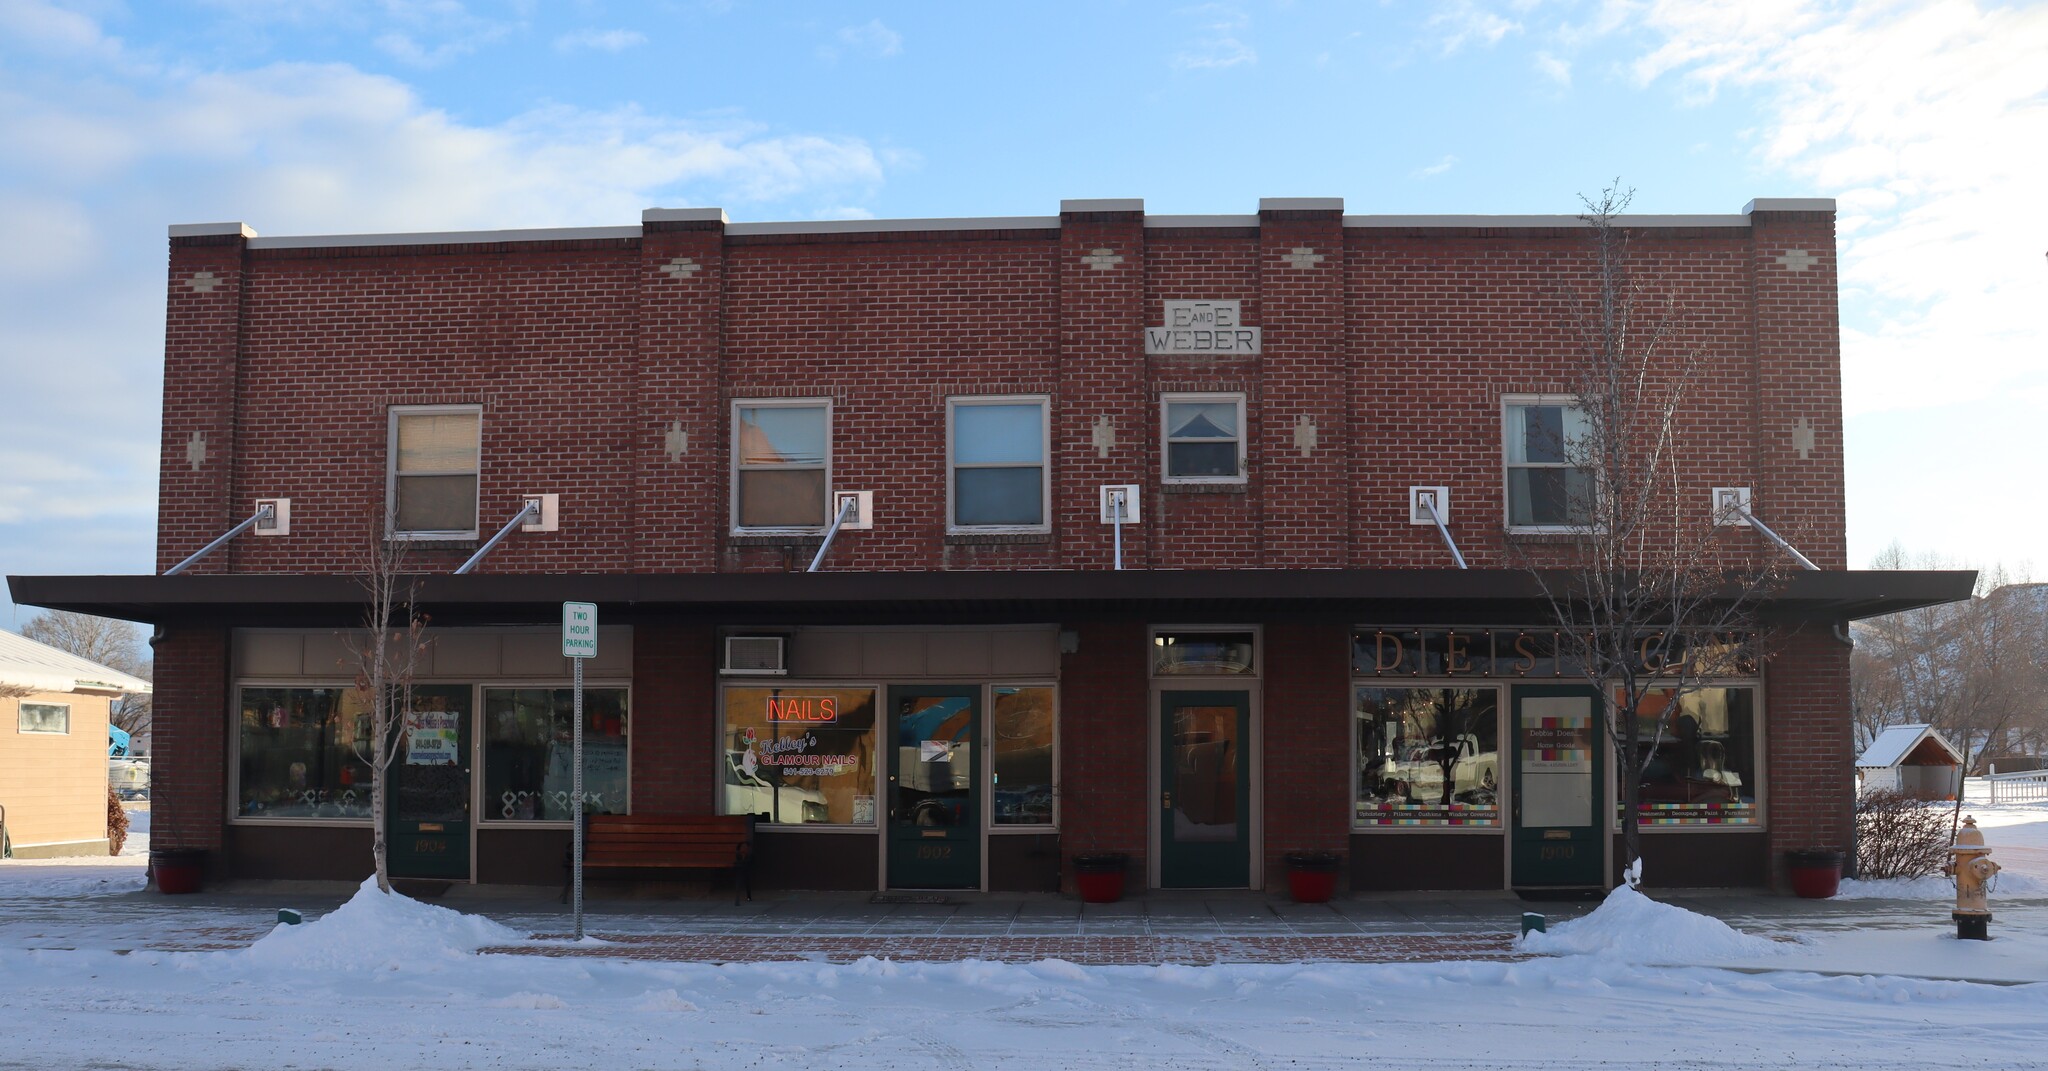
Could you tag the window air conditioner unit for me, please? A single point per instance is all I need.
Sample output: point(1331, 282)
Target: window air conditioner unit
point(754, 656)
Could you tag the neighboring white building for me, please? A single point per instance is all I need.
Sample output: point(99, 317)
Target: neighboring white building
point(54, 708)
point(1911, 758)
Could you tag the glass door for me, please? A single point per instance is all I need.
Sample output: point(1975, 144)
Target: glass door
point(427, 822)
point(1558, 840)
point(934, 796)
point(1204, 790)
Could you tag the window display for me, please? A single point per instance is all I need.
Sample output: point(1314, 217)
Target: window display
point(529, 753)
point(1700, 767)
point(1427, 757)
point(305, 753)
point(1021, 722)
point(799, 754)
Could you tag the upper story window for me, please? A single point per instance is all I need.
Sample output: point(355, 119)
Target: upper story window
point(1548, 485)
point(1203, 437)
point(997, 477)
point(432, 488)
point(43, 718)
point(782, 460)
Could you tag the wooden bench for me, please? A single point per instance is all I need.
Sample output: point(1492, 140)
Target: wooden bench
point(667, 842)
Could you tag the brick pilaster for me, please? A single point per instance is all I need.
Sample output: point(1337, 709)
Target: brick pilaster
point(1303, 374)
point(679, 440)
point(202, 342)
point(1306, 713)
point(188, 771)
point(1799, 377)
point(1810, 748)
point(1104, 762)
point(675, 707)
point(1101, 377)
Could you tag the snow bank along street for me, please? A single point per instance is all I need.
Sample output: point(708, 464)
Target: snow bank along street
point(383, 982)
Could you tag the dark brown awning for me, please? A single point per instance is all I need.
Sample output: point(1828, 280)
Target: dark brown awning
point(1376, 596)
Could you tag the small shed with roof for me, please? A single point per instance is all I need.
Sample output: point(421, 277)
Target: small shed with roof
point(1914, 759)
point(54, 713)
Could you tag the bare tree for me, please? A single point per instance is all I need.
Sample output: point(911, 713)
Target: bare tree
point(386, 655)
point(1652, 599)
point(1974, 670)
point(111, 643)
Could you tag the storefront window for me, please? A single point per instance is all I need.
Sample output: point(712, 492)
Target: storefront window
point(1428, 757)
point(1701, 769)
point(529, 753)
point(800, 755)
point(304, 753)
point(1021, 720)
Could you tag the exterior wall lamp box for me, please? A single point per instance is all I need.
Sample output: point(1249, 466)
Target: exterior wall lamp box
point(1419, 498)
point(550, 513)
point(280, 520)
point(1132, 512)
point(863, 516)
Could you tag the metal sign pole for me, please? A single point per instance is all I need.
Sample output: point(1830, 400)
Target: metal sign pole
point(579, 641)
point(576, 790)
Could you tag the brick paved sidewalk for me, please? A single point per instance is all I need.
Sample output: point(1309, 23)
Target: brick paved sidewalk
point(1102, 950)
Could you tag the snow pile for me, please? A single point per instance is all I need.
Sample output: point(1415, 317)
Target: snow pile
point(378, 931)
point(1633, 927)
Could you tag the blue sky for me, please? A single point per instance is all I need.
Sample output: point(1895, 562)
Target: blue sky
point(1926, 119)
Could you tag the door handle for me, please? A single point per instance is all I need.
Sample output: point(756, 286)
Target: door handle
point(1166, 801)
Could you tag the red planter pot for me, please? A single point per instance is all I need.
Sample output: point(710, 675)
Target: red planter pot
point(1311, 886)
point(1100, 878)
point(1312, 876)
point(1814, 875)
point(177, 872)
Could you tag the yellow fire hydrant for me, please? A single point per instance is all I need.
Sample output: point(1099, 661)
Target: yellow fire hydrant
point(1970, 864)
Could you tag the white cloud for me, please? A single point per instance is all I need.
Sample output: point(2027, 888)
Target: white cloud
point(1219, 41)
point(871, 38)
point(1926, 118)
point(600, 40)
point(46, 27)
point(1433, 170)
point(99, 163)
point(1553, 68)
point(1462, 22)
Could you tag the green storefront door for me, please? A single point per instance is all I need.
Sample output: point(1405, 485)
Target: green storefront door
point(1205, 790)
point(427, 824)
point(934, 788)
point(1559, 840)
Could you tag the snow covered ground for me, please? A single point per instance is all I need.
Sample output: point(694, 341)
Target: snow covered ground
point(386, 982)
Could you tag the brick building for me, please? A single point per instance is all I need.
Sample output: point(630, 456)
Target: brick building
point(969, 692)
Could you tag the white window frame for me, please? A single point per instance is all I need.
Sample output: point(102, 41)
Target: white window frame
point(735, 467)
point(1166, 439)
point(391, 476)
point(1044, 403)
point(21, 712)
point(1507, 509)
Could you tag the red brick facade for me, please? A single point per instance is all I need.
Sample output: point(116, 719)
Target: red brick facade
point(606, 364)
